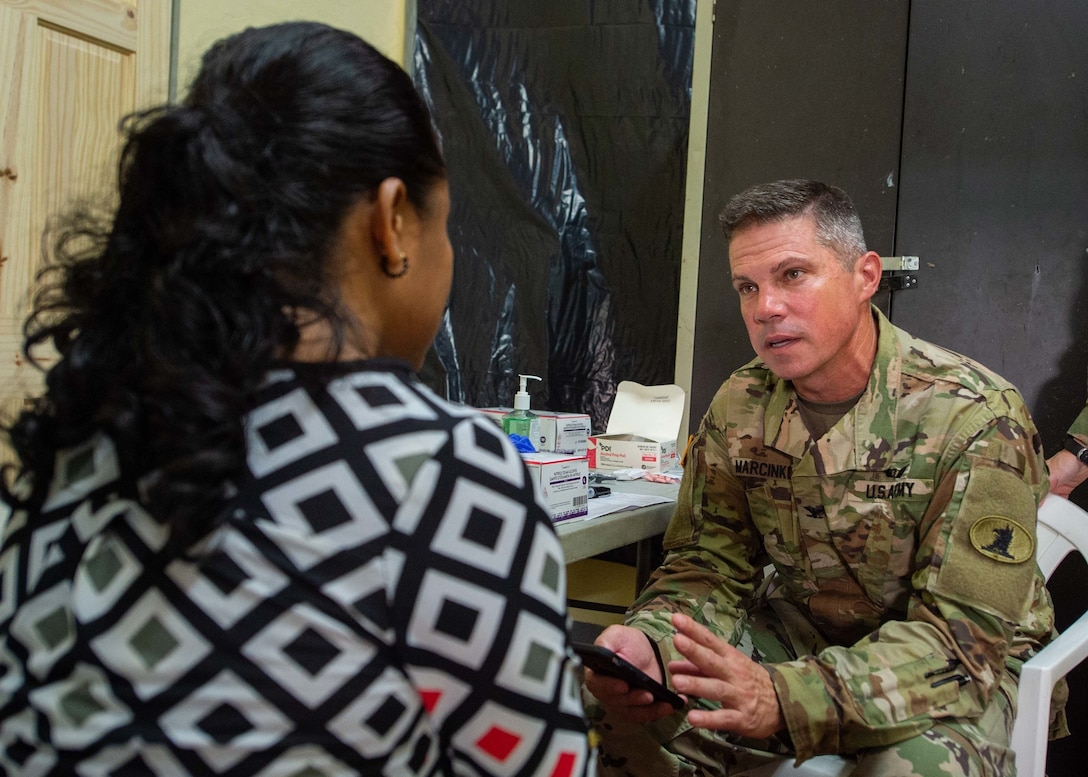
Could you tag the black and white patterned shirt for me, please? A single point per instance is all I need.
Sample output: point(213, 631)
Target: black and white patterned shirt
point(385, 597)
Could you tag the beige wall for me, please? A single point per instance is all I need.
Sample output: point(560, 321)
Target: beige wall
point(202, 22)
point(693, 207)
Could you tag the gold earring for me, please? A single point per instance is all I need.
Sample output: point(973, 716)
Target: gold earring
point(403, 266)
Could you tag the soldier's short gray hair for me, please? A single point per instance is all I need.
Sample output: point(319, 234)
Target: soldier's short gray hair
point(838, 226)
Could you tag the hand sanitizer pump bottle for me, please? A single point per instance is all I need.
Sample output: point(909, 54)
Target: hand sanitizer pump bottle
point(523, 421)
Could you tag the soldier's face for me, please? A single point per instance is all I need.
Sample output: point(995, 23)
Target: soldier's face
point(807, 316)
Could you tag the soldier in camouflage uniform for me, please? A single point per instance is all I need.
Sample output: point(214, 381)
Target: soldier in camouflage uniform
point(1069, 466)
point(892, 485)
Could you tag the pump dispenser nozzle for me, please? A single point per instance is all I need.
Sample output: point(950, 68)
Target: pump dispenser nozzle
point(521, 398)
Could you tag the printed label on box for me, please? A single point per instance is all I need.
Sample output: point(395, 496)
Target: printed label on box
point(564, 432)
point(562, 482)
point(642, 429)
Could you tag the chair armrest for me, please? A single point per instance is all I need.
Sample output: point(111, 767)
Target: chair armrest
point(1064, 653)
point(1037, 679)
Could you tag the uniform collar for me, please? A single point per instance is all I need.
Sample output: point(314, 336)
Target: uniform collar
point(868, 430)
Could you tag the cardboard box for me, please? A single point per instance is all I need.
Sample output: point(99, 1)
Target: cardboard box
point(564, 432)
point(562, 481)
point(642, 429)
point(496, 413)
point(559, 432)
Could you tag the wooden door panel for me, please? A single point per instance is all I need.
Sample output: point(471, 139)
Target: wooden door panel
point(69, 71)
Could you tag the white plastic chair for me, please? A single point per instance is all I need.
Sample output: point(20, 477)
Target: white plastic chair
point(1062, 529)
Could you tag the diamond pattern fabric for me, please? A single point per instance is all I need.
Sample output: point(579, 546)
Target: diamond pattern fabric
point(384, 596)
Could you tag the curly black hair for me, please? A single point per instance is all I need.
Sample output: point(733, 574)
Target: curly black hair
point(168, 312)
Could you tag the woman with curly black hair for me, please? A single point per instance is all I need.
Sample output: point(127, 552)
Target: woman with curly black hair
point(243, 536)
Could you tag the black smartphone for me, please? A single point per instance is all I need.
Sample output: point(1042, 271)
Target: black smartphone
point(601, 659)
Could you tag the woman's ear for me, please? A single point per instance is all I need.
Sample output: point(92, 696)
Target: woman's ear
point(388, 218)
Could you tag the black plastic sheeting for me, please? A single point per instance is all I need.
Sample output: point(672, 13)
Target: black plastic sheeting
point(565, 128)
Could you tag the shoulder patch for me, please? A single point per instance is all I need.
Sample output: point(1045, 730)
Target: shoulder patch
point(1002, 539)
point(986, 563)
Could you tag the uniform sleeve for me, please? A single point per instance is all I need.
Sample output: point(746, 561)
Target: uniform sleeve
point(478, 598)
point(975, 579)
point(711, 568)
point(1079, 429)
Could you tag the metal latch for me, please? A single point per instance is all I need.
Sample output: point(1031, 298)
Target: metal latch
point(898, 273)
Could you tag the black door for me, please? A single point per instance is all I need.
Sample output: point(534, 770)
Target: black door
point(960, 128)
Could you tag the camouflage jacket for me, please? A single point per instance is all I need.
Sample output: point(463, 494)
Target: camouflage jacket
point(906, 534)
point(1079, 429)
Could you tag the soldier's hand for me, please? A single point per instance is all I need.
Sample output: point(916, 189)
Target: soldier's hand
point(716, 670)
point(1066, 473)
point(616, 695)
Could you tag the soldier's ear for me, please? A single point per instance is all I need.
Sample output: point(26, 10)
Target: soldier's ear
point(868, 270)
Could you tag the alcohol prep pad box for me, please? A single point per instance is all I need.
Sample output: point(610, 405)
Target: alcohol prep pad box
point(642, 429)
point(562, 481)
